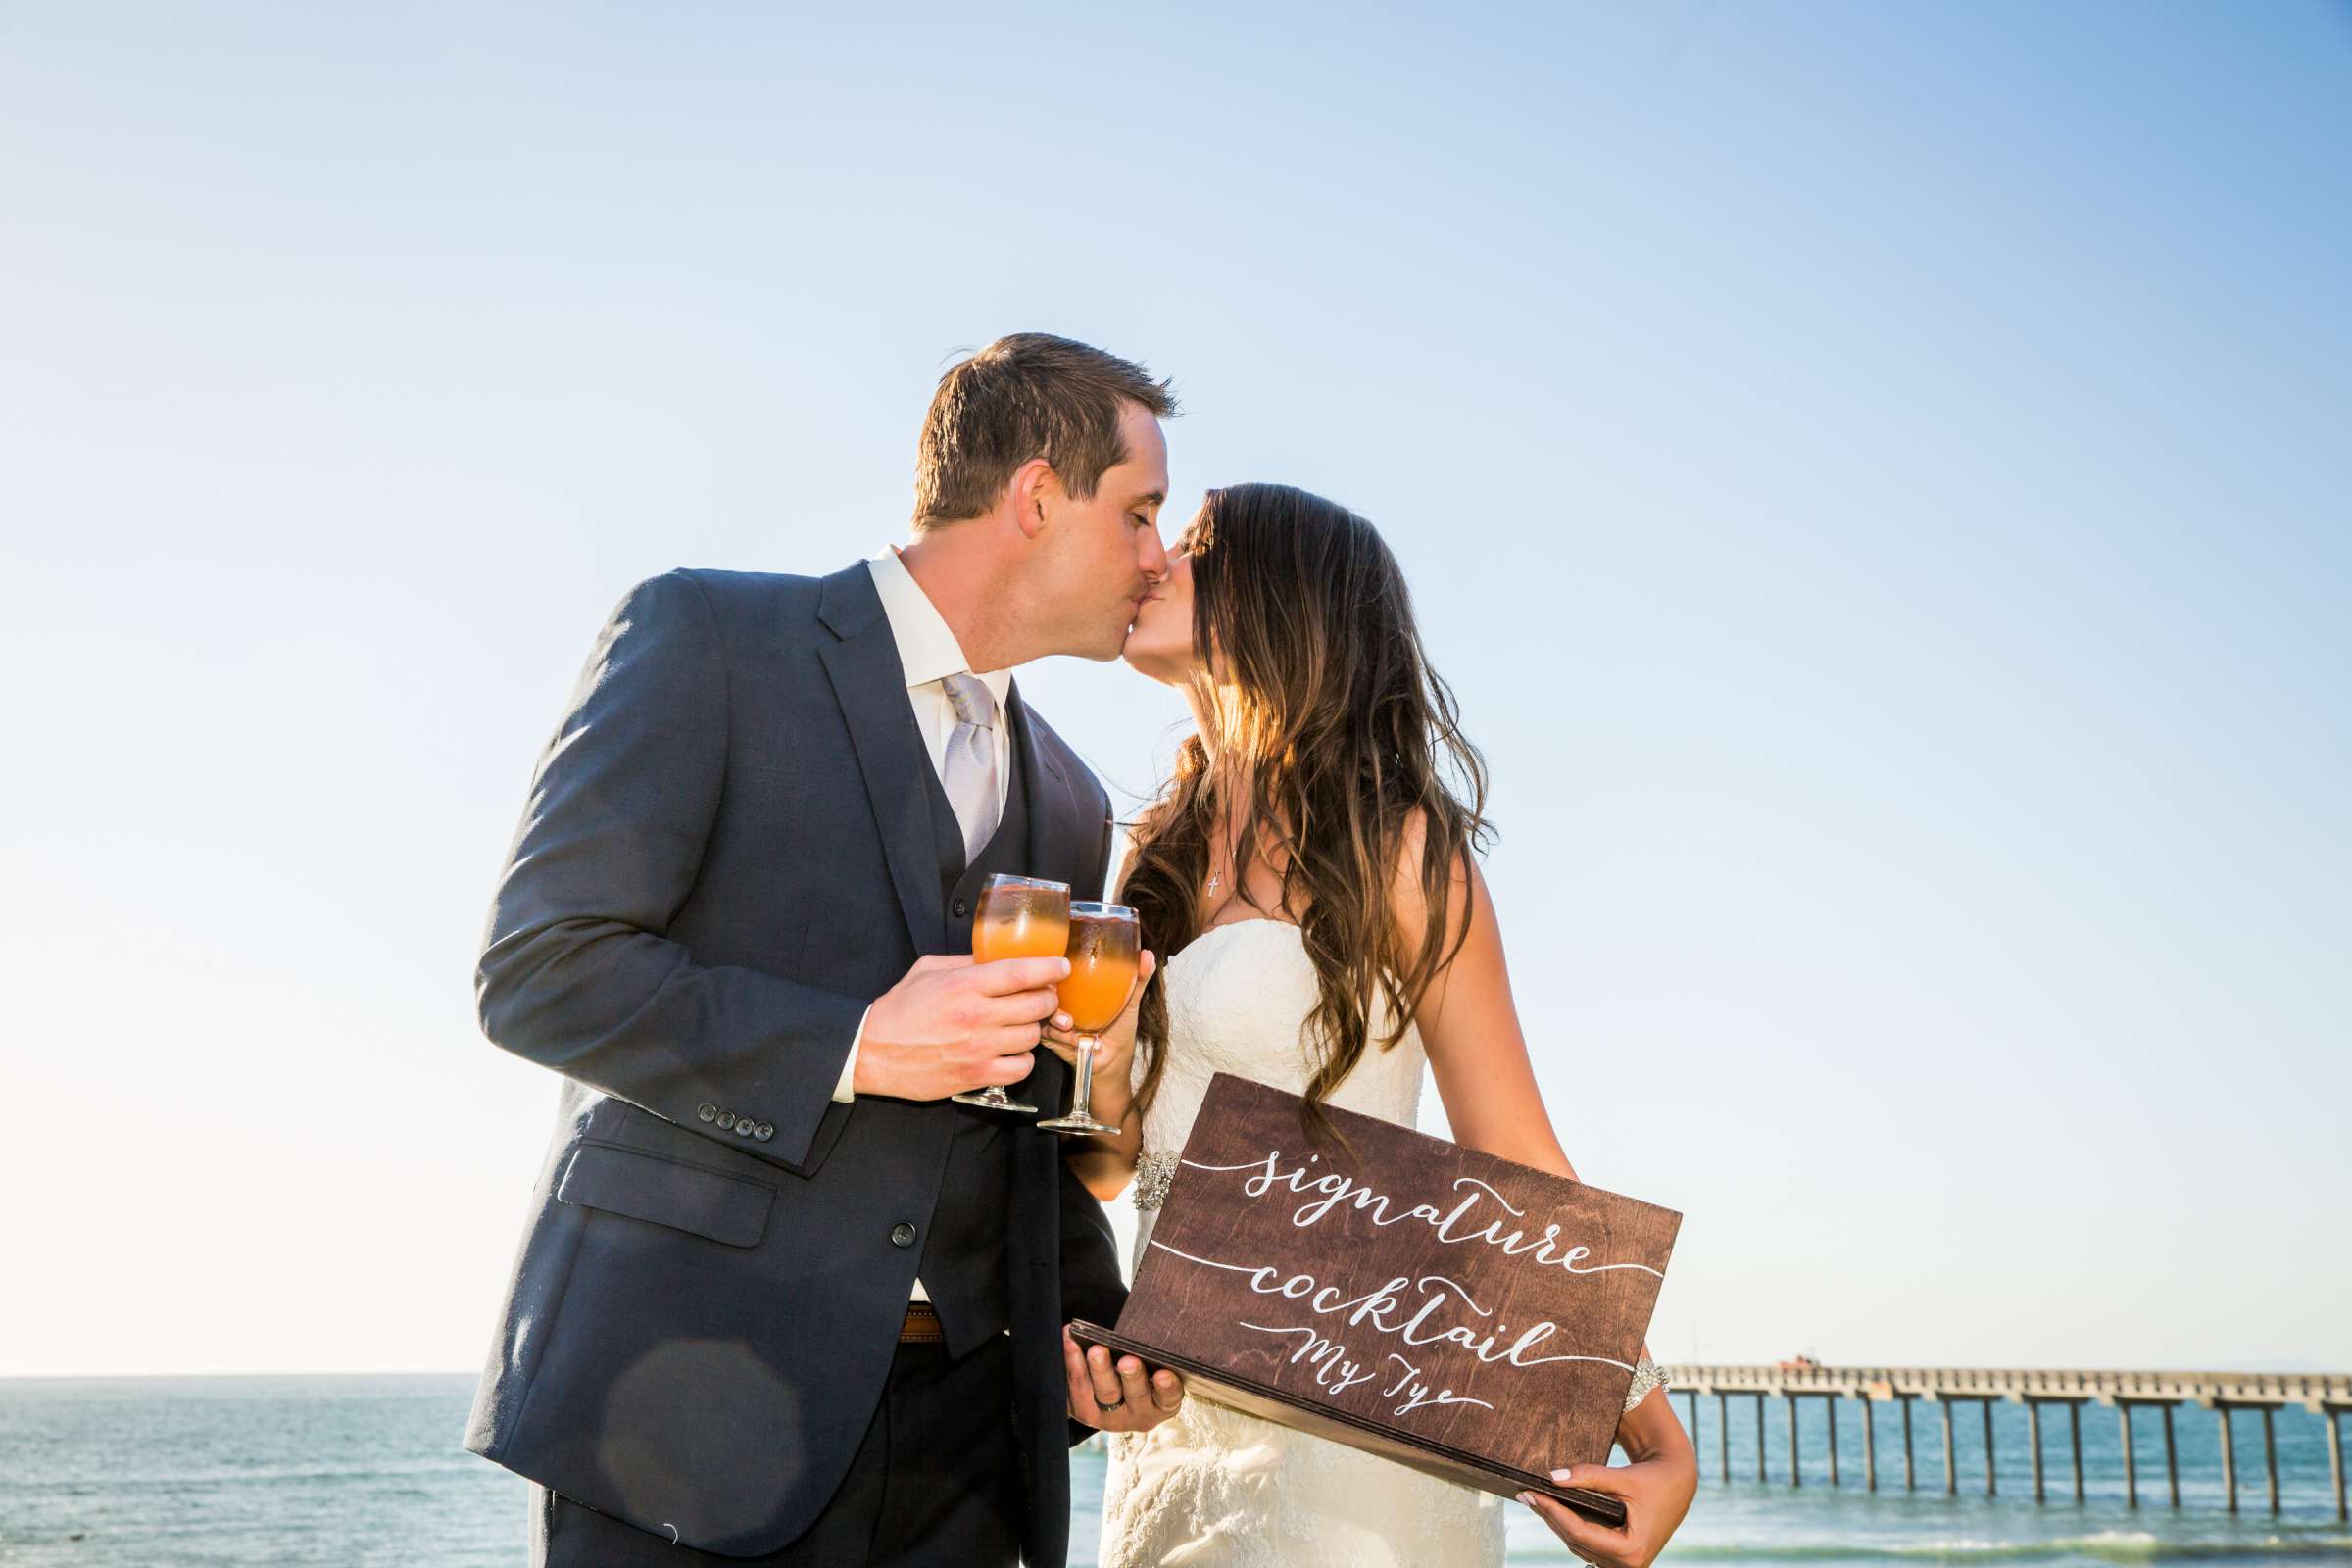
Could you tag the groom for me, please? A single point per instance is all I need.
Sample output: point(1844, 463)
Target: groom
point(780, 1300)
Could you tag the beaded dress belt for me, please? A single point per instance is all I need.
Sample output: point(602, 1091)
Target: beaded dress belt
point(1154, 1173)
point(922, 1326)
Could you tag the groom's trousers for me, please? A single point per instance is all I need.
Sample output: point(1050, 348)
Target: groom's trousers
point(936, 1483)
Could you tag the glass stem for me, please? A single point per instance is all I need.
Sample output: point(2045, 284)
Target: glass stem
point(1082, 1098)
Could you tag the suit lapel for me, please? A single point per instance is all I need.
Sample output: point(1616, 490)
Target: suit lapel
point(871, 686)
point(1062, 834)
point(1033, 1250)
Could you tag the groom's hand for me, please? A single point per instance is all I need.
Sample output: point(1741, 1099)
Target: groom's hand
point(952, 1025)
point(1121, 1397)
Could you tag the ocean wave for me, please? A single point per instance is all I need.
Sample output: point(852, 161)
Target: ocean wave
point(2111, 1545)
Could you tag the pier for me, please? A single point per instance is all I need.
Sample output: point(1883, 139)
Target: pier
point(2257, 1395)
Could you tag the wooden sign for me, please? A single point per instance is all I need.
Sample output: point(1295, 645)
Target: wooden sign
point(1472, 1318)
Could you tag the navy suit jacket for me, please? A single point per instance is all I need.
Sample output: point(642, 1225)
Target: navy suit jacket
point(726, 856)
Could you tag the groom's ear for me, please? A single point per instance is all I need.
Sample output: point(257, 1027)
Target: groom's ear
point(1034, 488)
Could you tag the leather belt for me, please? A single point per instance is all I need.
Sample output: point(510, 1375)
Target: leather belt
point(922, 1326)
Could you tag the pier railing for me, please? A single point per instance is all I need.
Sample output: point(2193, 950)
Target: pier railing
point(2263, 1394)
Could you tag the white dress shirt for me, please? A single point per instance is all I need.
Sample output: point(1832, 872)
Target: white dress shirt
point(930, 653)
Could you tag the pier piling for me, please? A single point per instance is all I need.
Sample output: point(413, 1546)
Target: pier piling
point(1759, 1434)
point(1951, 1471)
point(1796, 1475)
point(2131, 1461)
point(1722, 1434)
point(2269, 1453)
point(2229, 1460)
point(1984, 1408)
point(1828, 1408)
point(1910, 1471)
point(2074, 1426)
point(2033, 1440)
point(1870, 1446)
point(2335, 1456)
point(2172, 1458)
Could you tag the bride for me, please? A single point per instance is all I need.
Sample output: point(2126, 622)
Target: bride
point(1309, 873)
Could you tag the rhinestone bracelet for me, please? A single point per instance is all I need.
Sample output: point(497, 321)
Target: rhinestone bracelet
point(1647, 1375)
point(1152, 1175)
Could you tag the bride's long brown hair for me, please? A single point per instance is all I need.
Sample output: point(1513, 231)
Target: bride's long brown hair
point(1335, 736)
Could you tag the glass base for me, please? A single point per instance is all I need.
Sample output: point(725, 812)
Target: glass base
point(994, 1097)
point(1077, 1122)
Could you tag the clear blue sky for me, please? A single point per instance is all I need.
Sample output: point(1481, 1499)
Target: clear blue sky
point(1875, 473)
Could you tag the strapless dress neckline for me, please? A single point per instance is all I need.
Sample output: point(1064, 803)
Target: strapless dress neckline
point(1229, 925)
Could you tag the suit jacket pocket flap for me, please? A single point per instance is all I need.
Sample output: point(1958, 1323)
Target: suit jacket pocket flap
point(664, 1192)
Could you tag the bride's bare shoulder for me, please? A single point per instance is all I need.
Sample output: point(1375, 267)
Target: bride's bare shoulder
point(1412, 882)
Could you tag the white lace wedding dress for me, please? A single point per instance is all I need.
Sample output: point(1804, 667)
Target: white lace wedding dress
point(1215, 1487)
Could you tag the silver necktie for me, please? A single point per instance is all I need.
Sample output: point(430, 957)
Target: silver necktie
point(970, 776)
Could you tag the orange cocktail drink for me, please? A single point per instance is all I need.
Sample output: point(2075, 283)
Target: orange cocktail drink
point(1106, 949)
point(1023, 919)
point(1017, 917)
point(1103, 955)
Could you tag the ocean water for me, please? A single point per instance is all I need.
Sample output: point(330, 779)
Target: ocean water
point(117, 1471)
point(138, 1473)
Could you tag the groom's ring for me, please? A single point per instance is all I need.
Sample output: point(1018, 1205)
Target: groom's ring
point(1112, 1405)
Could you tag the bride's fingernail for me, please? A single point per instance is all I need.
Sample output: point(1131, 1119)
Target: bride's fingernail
point(1528, 1498)
point(1562, 1475)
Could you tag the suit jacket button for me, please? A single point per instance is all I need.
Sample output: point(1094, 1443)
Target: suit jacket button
point(705, 1111)
point(963, 908)
point(901, 1235)
point(765, 1131)
point(726, 1120)
point(743, 1126)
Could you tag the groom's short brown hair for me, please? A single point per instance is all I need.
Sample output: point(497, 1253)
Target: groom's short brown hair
point(1029, 395)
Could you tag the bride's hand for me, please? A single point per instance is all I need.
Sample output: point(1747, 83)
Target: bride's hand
point(1126, 1396)
point(1656, 1494)
point(1116, 1046)
point(1656, 1489)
